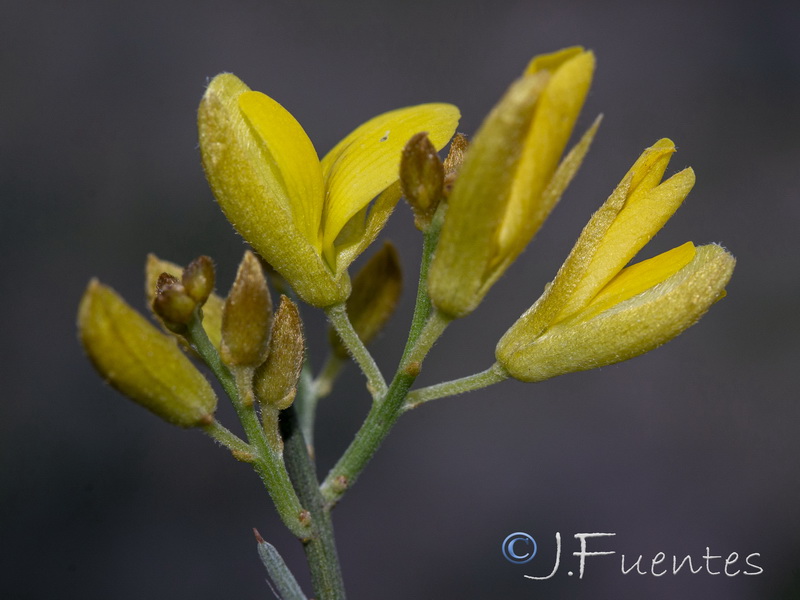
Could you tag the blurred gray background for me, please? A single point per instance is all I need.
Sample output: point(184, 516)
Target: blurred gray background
point(692, 446)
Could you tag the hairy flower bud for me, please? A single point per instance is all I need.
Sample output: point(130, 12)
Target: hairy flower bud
point(276, 380)
point(246, 316)
point(173, 304)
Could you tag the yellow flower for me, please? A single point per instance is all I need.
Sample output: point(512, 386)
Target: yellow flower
point(308, 218)
point(511, 179)
point(596, 313)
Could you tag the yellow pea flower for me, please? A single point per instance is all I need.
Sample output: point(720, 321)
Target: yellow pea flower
point(511, 179)
point(308, 218)
point(596, 313)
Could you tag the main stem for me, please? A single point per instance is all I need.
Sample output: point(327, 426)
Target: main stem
point(320, 547)
point(267, 463)
point(382, 416)
point(426, 326)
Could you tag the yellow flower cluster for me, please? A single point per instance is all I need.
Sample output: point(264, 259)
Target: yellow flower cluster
point(310, 218)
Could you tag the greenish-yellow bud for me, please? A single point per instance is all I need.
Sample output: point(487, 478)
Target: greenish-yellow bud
point(246, 316)
point(140, 361)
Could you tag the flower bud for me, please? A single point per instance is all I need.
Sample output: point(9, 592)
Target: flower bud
point(246, 316)
point(212, 309)
point(376, 291)
point(198, 279)
point(276, 380)
point(140, 361)
point(422, 178)
point(173, 304)
point(452, 164)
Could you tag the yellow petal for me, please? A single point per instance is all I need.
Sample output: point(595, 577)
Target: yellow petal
point(637, 278)
point(365, 226)
point(641, 218)
point(367, 161)
point(627, 329)
point(557, 109)
point(479, 199)
point(291, 158)
point(140, 361)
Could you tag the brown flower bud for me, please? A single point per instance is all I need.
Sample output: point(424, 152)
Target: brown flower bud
point(212, 309)
point(173, 304)
point(276, 380)
point(198, 279)
point(421, 177)
point(453, 162)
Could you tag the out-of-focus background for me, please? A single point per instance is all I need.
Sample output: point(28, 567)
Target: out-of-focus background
point(692, 449)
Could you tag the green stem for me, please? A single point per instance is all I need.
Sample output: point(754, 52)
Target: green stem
point(320, 547)
point(426, 326)
point(494, 374)
point(422, 306)
point(240, 449)
point(323, 384)
point(337, 315)
point(267, 462)
point(383, 415)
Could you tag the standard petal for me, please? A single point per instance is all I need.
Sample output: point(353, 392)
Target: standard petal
point(367, 161)
point(292, 159)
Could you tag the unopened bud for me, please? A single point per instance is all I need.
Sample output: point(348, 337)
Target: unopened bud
point(246, 316)
point(376, 291)
point(453, 162)
point(212, 309)
point(173, 304)
point(422, 178)
point(276, 380)
point(140, 361)
point(198, 279)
